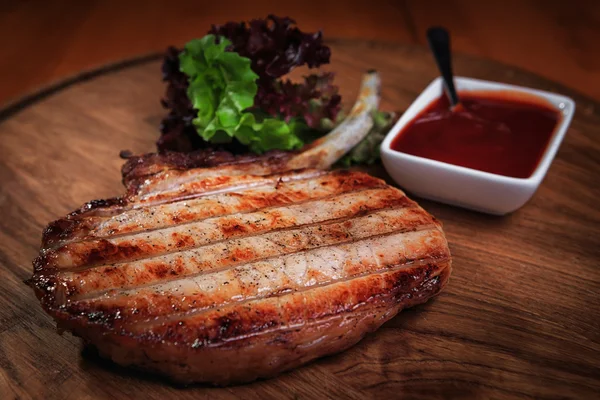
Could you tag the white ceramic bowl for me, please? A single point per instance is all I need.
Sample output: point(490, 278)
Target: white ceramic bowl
point(466, 187)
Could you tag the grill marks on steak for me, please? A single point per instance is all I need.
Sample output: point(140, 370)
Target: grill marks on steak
point(191, 235)
point(201, 254)
point(229, 273)
point(277, 191)
point(241, 248)
point(295, 272)
point(249, 262)
point(236, 321)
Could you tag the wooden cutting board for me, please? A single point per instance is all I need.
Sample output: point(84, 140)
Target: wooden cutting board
point(519, 318)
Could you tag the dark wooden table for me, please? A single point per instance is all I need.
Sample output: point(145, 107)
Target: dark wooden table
point(45, 41)
point(519, 318)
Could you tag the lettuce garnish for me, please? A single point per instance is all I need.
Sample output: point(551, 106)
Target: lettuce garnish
point(227, 90)
point(222, 88)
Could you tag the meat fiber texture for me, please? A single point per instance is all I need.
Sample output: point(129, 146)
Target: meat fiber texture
point(221, 269)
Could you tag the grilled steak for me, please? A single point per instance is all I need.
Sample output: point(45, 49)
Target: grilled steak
point(222, 269)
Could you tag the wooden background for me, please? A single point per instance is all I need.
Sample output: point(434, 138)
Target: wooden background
point(42, 41)
point(520, 317)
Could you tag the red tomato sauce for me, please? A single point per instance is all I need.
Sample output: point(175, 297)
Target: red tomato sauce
point(494, 132)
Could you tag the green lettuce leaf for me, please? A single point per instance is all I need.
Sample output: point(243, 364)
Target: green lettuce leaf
point(222, 88)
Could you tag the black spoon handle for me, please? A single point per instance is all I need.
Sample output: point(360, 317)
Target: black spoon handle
point(439, 42)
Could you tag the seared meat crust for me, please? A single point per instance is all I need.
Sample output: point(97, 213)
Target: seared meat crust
point(267, 273)
point(224, 269)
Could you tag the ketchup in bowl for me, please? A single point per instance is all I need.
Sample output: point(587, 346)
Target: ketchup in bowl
point(494, 132)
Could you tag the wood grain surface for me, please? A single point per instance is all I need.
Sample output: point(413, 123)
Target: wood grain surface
point(42, 41)
point(520, 317)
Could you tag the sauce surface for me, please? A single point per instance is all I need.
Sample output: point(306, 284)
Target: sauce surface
point(489, 131)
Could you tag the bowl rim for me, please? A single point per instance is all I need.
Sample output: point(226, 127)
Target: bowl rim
point(430, 93)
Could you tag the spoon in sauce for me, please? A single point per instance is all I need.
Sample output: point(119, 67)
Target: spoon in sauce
point(439, 43)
